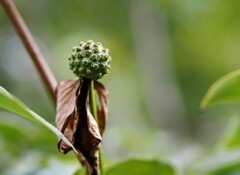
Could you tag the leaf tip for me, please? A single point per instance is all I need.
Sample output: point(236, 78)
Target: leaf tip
point(203, 104)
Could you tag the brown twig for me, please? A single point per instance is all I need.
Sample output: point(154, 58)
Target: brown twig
point(30, 45)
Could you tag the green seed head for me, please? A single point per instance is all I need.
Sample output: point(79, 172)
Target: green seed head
point(90, 60)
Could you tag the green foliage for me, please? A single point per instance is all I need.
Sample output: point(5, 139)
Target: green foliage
point(224, 159)
point(10, 103)
point(230, 138)
point(226, 89)
point(202, 39)
point(80, 172)
point(141, 167)
point(218, 163)
point(132, 166)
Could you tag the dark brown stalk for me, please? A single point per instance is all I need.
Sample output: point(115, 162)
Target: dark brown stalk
point(31, 46)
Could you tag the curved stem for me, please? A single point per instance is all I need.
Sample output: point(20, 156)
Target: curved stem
point(94, 113)
point(31, 46)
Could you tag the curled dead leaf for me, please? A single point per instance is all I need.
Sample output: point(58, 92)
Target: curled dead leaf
point(65, 117)
point(102, 109)
point(77, 123)
point(87, 134)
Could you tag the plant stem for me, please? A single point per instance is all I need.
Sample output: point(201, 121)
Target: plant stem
point(101, 161)
point(94, 113)
point(31, 47)
point(93, 101)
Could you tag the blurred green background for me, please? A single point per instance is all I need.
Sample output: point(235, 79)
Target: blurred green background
point(166, 53)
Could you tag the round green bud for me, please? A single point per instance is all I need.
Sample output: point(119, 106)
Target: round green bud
point(78, 49)
point(94, 57)
point(81, 43)
point(96, 49)
point(85, 62)
point(90, 60)
point(88, 71)
point(95, 66)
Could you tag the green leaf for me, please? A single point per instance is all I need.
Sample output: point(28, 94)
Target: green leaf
point(10, 103)
point(221, 163)
point(226, 89)
point(11, 133)
point(58, 167)
point(81, 171)
point(230, 138)
point(141, 167)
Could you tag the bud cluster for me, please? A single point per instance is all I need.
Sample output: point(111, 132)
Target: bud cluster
point(90, 60)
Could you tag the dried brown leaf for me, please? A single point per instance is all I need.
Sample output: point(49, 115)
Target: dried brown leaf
point(66, 101)
point(87, 136)
point(77, 123)
point(102, 110)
